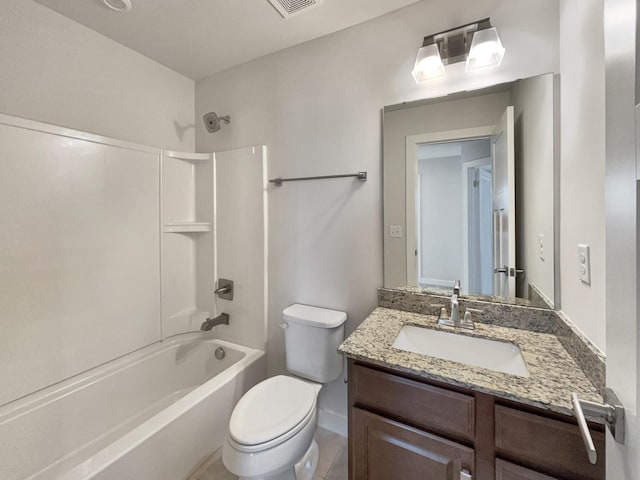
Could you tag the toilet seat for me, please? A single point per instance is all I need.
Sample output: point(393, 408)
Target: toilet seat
point(271, 413)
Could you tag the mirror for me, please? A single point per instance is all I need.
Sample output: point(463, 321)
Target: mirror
point(470, 193)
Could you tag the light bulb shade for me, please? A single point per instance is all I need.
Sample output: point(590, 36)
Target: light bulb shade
point(486, 50)
point(428, 64)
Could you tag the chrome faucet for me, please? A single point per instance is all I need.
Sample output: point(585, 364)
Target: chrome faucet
point(209, 323)
point(454, 319)
point(455, 307)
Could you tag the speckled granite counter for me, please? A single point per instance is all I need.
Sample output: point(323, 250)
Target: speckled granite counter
point(553, 373)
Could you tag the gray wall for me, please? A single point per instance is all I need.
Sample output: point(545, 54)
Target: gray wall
point(317, 107)
point(57, 71)
point(582, 163)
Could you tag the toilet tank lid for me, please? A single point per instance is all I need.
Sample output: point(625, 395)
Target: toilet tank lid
point(314, 316)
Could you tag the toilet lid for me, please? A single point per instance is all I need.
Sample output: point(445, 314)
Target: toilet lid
point(271, 409)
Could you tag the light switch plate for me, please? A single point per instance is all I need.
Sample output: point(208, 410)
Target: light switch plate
point(541, 246)
point(584, 263)
point(395, 231)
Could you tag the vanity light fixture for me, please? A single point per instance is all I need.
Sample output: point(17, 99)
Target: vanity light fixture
point(476, 43)
point(428, 64)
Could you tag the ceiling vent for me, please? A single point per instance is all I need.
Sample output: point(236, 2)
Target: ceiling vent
point(287, 8)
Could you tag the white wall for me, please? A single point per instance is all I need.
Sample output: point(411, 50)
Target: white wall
point(475, 150)
point(240, 243)
point(317, 107)
point(56, 71)
point(622, 154)
point(582, 175)
point(533, 100)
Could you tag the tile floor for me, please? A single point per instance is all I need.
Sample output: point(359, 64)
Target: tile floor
point(332, 464)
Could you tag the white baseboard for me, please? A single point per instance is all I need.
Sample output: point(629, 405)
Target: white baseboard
point(332, 421)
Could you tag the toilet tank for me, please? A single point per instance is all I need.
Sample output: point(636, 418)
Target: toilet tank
point(312, 336)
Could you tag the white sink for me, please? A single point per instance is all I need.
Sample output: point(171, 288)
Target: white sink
point(480, 352)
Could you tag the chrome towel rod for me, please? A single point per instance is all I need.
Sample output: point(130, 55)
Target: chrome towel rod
point(279, 181)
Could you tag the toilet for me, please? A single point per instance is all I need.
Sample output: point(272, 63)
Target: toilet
point(271, 428)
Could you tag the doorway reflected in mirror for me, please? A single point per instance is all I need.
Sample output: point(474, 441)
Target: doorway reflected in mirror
point(470, 192)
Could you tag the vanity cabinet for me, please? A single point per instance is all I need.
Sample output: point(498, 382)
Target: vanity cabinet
point(401, 426)
point(384, 448)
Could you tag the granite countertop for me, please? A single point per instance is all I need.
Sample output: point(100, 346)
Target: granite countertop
point(553, 373)
point(446, 292)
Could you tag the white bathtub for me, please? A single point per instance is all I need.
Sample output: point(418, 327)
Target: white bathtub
point(154, 414)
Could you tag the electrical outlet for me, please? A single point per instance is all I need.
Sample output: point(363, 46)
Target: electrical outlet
point(395, 231)
point(541, 246)
point(584, 264)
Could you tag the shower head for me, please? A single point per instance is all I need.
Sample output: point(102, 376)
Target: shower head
point(212, 121)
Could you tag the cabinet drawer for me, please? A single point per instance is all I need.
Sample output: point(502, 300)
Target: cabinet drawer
point(415, 403)
point(547, 445)
point(509, 471)
point(384, 450)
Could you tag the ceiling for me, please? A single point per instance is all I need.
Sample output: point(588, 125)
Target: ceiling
point(201, 37)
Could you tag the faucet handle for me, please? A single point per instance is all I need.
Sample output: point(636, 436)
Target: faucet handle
point(467, 321)
point(469, 315)
point(443, 313)
point(444, 318)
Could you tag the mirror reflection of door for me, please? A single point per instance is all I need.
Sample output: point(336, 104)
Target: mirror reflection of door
point(454, 201)
point(504, 207)
point(478, 219)
point(465, 212)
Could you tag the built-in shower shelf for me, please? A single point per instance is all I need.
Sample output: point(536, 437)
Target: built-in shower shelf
point(187, 227)
point(189, 157)
point(187, 240)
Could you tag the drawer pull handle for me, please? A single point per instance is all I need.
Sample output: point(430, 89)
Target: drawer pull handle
point(465, 475)
point(612, 412)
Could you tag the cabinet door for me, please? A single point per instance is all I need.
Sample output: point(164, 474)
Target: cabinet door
point(388, 450)
point(509, 471)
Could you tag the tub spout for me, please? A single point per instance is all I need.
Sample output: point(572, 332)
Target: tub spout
point(209, 323)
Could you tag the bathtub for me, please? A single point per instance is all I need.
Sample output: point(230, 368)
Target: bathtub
point(151, 415)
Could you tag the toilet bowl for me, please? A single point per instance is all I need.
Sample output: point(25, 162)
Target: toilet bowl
point(278, 445)
point(271, 429)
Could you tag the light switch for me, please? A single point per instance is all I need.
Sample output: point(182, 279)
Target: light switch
point(584, 264)
point(395, 231)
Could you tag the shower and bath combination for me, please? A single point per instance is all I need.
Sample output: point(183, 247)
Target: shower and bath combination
point(212, 121)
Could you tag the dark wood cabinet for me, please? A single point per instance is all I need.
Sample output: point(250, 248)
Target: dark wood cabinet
point(384, 448)
point(550, 444)
point(403, 427)
point(509, 471)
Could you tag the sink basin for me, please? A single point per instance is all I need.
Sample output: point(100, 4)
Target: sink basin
point(479, 352)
